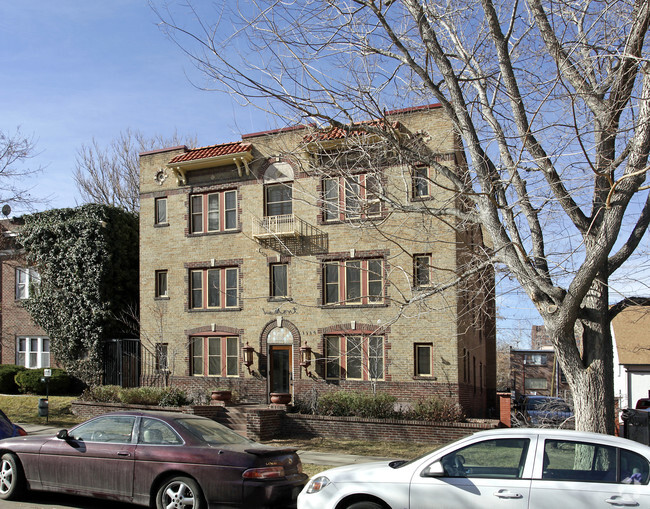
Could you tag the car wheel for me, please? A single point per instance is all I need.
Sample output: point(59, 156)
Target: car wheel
point(366, 504)
point(179, 493)
point(11, 480)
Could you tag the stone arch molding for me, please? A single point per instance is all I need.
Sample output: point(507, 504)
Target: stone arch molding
point(280, 325)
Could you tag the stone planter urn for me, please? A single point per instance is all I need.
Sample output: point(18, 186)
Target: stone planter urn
point(224, 396)
point(280, 398)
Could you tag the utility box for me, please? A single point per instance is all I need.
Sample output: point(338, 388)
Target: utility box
point(636, 425)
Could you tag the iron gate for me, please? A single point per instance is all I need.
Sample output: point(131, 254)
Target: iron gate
point(122, 362)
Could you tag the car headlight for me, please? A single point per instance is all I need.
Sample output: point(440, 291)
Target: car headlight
point(317, 484)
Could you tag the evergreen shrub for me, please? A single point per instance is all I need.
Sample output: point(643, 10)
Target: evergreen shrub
point(29, 382)
point(8, 373)
point(154, 396)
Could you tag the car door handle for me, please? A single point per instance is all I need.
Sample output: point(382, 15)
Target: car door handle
point(124, 453)
point(621, 501)
point(507, 494)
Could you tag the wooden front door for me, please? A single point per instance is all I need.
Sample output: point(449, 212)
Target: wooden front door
point(280, 360)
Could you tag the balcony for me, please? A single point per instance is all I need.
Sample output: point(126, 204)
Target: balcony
point(289, 234)
point(287, 225)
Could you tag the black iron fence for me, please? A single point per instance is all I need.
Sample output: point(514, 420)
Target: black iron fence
point(122, 362)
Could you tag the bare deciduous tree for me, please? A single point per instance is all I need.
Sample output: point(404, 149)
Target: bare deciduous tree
point(15, 151)
point(111, 175)
point(550, 100)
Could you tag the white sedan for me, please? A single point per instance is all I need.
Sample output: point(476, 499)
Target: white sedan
point(519, 468)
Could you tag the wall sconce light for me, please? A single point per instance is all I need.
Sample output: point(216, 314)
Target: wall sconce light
point(305, 358)
point(248, 356)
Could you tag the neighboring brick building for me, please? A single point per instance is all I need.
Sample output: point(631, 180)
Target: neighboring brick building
point(23, 342)
point(537, 372)
point(264, 244)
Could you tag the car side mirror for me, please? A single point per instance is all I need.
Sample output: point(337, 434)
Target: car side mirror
point(434, 470)
point(63, 434)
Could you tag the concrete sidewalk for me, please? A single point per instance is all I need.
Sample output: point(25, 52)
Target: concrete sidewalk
point(313, 457)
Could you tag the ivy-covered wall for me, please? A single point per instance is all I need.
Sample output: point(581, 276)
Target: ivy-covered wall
point(87, 258)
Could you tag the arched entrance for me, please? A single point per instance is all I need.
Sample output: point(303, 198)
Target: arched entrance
point(280, 339)
point(280, 344)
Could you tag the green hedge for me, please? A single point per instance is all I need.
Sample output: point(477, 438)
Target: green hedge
point(357, 404)
point(29, 382)
point(8, 373)
point(156, 396)
point(378, 406)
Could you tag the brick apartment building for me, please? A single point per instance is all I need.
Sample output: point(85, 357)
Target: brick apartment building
point(23, 342)
point(258, 254)
point(537, 372)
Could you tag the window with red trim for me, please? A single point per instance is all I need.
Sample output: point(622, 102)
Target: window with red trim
point(215, 356)
point(350, 282)
point(216, 288)
point(213, 212)
point(351, 197)
point(354, 357)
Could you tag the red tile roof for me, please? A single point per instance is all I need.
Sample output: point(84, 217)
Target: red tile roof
point(223, 149)
point(337, 133)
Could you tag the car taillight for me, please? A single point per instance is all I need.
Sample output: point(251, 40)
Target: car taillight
point(264, 473)
point(20, 431)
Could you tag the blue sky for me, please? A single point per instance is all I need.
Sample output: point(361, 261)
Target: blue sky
point(76, 70)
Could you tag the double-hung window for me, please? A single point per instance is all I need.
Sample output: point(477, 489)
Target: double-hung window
point(279, 280)
point(422, 270)
point(27, 282)
point(354, 357)
point(421, 182)
point(215, 356)
point(33, 352)
point(160, 212)
point(351, 197)
point(161, 284)
point(423, 359)
point(349, 282)
point(278, 199)
point(213, 212)
point(216, 288)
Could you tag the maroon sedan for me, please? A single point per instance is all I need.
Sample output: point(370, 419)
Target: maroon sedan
point(165, 459)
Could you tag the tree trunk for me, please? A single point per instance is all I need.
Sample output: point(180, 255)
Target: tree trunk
point(590, 375)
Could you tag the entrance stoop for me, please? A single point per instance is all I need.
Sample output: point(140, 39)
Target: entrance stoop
point(235, 417)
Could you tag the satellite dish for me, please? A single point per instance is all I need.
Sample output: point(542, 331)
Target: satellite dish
point(6, 210)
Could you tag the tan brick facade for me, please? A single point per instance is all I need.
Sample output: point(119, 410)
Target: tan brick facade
point(461, 345)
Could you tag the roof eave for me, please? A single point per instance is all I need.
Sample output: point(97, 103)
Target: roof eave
point(181, 168)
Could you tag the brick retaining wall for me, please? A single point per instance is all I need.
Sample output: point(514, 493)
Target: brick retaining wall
point(392, 430)
point(88, 409)
point(270, 423)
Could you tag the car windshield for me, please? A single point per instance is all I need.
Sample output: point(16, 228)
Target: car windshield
point(211, 432)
